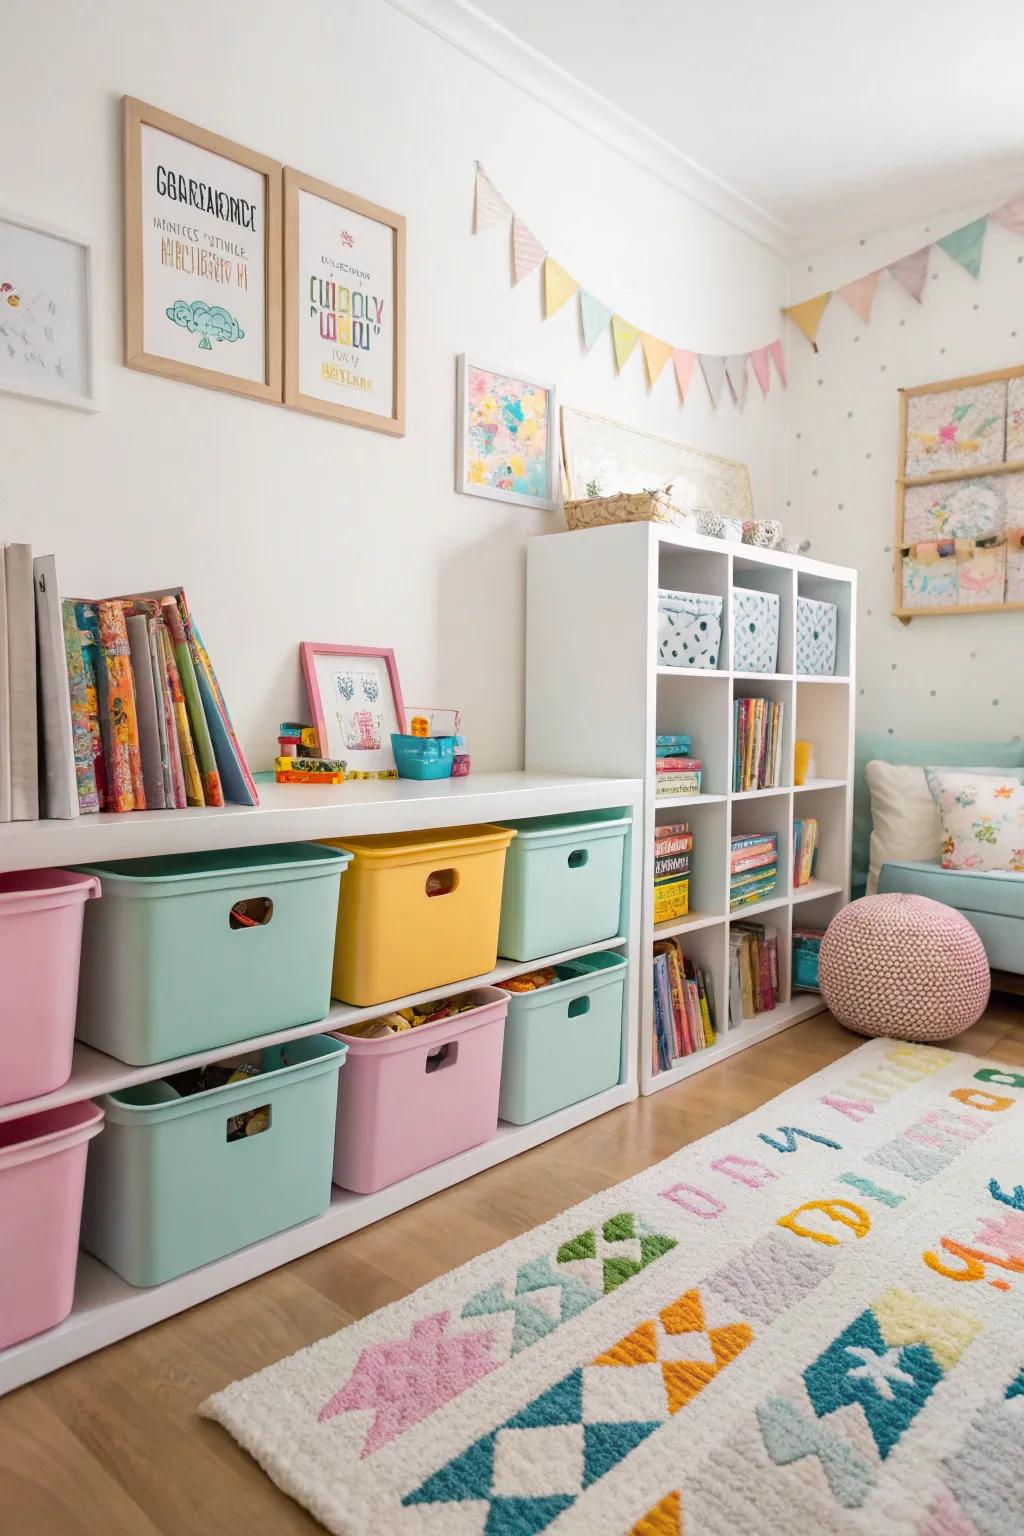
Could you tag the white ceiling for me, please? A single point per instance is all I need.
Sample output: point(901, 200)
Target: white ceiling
point(832, 117)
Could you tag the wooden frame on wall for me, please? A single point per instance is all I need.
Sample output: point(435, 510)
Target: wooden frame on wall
point(344, 305)
point(211, 250)
point(977, 470)
point(47, 313)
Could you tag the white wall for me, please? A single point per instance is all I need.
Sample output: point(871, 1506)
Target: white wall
point(284, 527)
point(960, 675)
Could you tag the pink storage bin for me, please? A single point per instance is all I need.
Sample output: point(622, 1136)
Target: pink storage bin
point(411, 1100)
point(42, 1176)
point(41, 914)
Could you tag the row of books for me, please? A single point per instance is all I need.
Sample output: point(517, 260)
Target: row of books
point(684, 1005)
point(672, 847)
point(757, 744)
point(805, 848)
point(753, 868)
point(128, 713)
point(753, 971)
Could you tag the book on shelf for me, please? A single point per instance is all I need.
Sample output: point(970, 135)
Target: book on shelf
point(19, 775)
point(805, 849)
point(806, 951)
point(684, 1005)
point(757, 744)
point(673, 864)
point(677, 765)
point(58, 748)
point(753, 868)
point(671, 899)
point(754, 986)
point(677, 784)
point(672, 746)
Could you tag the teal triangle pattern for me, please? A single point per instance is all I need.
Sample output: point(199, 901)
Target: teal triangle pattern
point(469, 1476)
point(605, 1445)
point(539, 1274)
point(964, 245)
point(560, 1404)
point(595, 317)
point(524, 1517)
point(531, 1323)
point(1016, 1387)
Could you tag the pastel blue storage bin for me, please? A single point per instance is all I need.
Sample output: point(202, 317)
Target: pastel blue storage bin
point(563, 884)
point(199, 950)
point(166, 1191)
point(423, 757)
point(563, 1042)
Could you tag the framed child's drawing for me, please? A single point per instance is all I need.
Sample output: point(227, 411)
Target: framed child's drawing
point(356, 701)
point(507, 437)
point(202, 241)
point(47, 331)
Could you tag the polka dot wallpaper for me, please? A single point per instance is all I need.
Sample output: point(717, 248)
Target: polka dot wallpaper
point(934, 676)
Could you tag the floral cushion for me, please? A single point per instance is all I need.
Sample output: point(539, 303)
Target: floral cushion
point(982, 820)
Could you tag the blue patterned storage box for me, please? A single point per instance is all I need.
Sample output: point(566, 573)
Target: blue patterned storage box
point(755, 630)
point(815, 636)
point(689, 630)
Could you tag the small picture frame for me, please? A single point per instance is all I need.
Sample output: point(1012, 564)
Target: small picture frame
point(506, 437)
point(356, 701)
point(47, 326)
point(202, 256)
point(344, 306)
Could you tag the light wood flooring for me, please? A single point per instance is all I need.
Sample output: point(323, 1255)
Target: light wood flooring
point(112, 1445)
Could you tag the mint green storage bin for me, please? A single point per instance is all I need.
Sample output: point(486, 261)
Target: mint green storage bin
point(167, 1192)
point(563, 1043)
point(563, 884)
point(174, 965)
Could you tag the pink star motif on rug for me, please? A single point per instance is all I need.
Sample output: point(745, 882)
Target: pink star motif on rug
point(408, 1379)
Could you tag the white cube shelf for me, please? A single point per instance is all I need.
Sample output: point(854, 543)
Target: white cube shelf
point(596, 697)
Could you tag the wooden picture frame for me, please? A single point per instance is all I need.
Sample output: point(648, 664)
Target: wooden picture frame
point(975, 471)
point(335, 740)
point(343, 372)
point(45, 272)
point(546, 502)
point(206, 237)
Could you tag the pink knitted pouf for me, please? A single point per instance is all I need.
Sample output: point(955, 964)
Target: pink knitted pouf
point(904, 966)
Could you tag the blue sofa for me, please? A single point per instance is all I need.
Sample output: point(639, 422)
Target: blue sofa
point(992, 902)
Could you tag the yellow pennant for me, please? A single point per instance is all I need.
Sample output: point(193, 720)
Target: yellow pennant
point(559, 287)
point(624, 340)
point(656, 355)
point(807, 316)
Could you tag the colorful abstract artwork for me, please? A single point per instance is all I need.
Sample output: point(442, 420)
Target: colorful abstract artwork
point(507, 441)
point(956, 428)
point(956, 509)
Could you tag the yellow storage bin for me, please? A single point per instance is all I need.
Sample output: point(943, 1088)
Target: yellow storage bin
point(417, 910)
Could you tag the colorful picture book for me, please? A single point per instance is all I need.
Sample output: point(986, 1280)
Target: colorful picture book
point(805, 849)
point(677, 776)
point(753, 868)
point(684, 1006)
point(672, 848)
point(754, 985)
point(757, 744)
point(806, 949)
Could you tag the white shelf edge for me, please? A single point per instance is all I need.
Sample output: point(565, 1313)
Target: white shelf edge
point(694, 672)
point(761, 794)
point(677, 800)
point(107, 1308)
point(814, 889)
point(800, 789)
point(819, 677)
point(690, 924)
point(763, 677)
point(741, 914)
point(750, 1032)
point(96, 1073)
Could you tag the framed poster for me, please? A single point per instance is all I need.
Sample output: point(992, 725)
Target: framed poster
point(47, 332)
point(202, 236)
point(344, 306)
point(356, 700)
point(506, 438)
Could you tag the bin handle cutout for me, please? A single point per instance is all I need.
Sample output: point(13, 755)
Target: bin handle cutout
point(444, 1056)
point(578, 1007)
point(441, 882)
point(250, 1123)
point(578, 858)
point(253, 912)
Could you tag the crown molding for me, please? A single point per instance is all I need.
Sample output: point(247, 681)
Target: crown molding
point(497, 49)
point(952, 198)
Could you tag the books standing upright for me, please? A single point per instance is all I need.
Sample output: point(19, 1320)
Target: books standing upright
point(59, 780)
point(21, 682)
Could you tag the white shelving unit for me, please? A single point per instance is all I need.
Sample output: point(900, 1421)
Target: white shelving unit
point(596, 697)
point(106, 1307)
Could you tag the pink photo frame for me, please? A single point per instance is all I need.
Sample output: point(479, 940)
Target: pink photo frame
point(349, 726)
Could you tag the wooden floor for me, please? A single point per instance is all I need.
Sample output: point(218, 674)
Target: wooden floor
point(112, 1445)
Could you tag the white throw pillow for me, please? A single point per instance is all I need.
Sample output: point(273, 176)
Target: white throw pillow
point(982, 820)
point(904, 818)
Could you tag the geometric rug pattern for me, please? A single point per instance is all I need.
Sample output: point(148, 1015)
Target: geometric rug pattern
point(810, 1321)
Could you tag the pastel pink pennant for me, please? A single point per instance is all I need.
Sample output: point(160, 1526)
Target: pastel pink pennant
point(775, 353)
point(527, 251)
point(489, 207)
point(1011, 215)
point(684, 363)
point(860, 294)
point(760, 362)
point(911, 271)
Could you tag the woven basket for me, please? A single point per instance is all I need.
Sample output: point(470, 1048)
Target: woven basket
point(626, 507)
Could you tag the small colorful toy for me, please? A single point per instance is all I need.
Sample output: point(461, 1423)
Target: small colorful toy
point(323, 765)
point(292, 776)
point(434, 722)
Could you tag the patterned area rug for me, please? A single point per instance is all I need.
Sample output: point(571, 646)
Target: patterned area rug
point(812, 1320)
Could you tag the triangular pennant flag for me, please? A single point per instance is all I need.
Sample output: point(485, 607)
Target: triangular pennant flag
point(910, 271)
point(559, 287)
point(964, 245)
point(713, 369)
point(775, 353)
point(807, 316)
point(684, 363)
point(527, 251)
point(736, 373)
point(489, 207)
point(656, 355)
point(1011, 215)
point(594, 317)
point(760, 362)
point(624, 339)
point(860, 294)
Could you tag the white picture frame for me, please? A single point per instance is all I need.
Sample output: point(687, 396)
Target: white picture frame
point(475, 475)
point(48, 336)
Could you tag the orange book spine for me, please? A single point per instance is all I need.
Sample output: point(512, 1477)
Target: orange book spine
point(125, 791)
